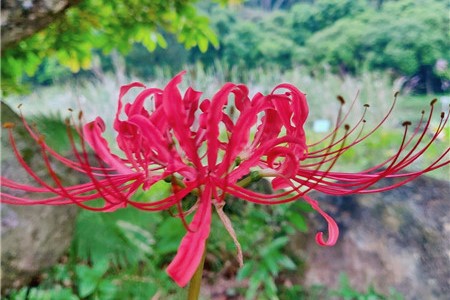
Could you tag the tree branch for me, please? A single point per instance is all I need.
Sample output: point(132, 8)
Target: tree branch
point(21, 19)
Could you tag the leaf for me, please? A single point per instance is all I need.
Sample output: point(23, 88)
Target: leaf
point(100, 267)
point(211, 35)
point(298, 221)
point(38, 293)
point(287, 262)
point(254, 284)
point(119, 243)
point(304, 206)
point(73, 64)
point(274, 245)
point(107, 290)
point(169, 235)
point(32, 63)
point(137, 236)
point(87, 280)
point(61, 272)
point(270, 288)
point(63, 294)
point(161, 40)
point(270, 262)
point(149, 42)
point(203, 44)
point(245, 271)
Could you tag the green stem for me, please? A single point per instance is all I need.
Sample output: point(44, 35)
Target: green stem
point(252, 177)
point(196, 281)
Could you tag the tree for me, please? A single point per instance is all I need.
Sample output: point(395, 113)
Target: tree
point(82, 26)
point(305, 19)
point(407, 37)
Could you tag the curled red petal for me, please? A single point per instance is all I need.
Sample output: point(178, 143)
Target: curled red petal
point(333, 229)
point(123, 90)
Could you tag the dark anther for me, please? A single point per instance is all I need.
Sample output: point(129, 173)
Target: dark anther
point(341, 99)
point(406, 123)
point(433, 101)
point(366, 105)
point(8, 125)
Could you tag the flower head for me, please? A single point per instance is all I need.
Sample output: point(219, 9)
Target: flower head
point(213, 148)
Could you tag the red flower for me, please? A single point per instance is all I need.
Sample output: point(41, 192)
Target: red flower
point(213, 148)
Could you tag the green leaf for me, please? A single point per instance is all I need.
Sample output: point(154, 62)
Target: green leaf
point(169, 235)
point(100, 267)
point(270, 288)
point(203, 44)
point(298, 221)
point(245, 271)
point(61, 272)
point(149, 42)
point(161, 40)
point(63, 294)
point(87, 280)
point(107, 290)
point(254, 283)
point(287, 262)
point(211, 35)
point(38, 293)
point(303, 206)
point(136, 235)
point(270, 262)
point(275, 245)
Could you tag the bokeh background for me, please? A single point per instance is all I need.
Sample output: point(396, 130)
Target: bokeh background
point(76, 54)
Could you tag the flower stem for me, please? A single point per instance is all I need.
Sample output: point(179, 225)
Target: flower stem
point(196, 281)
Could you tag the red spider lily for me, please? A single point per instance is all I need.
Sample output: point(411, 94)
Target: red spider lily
point(213, 148)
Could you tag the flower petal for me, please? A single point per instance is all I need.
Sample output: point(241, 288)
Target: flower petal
point(192, 246)
point(333, 229)
point(174, 108)
point(92, 133)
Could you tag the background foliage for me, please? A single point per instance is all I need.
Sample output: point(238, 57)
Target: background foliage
point(106, 26)
point(408, 38)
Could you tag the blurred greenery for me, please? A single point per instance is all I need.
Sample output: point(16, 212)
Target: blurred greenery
point(115, 256)
point(409, 39)
point(106, 26)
